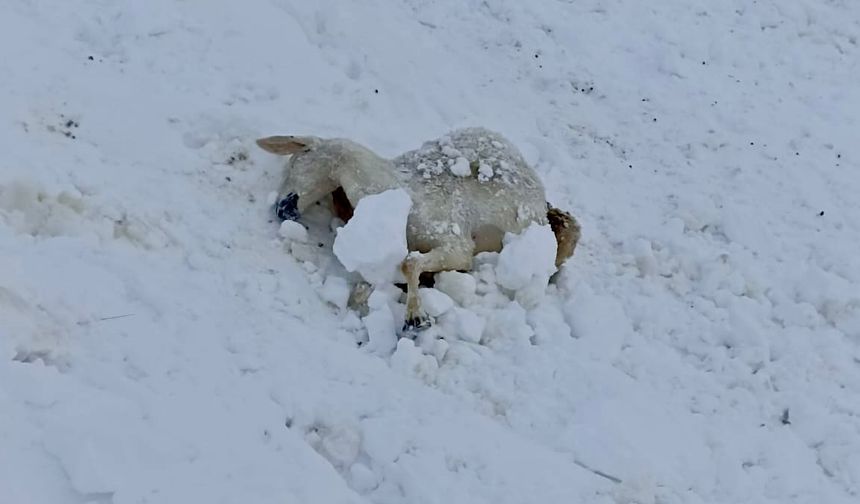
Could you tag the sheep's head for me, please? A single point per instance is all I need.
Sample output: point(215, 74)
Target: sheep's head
point(307, 176)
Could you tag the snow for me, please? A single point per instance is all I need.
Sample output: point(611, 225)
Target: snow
point(435, 302)
point(292, 231)
point(335, 290)
point(373, 242)
point(469, 325)
point(159, 344)
point(527, 258)
point(457, 285)
point(460, 167)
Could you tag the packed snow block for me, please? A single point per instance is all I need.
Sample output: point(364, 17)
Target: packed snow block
point(373, 242)
point(435, 302)
point(458, 286)
point(527, 258)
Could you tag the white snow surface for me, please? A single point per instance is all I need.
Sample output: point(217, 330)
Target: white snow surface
point(158, 344)
point(373, 242)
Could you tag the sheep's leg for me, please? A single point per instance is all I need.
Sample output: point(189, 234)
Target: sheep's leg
point(457, 256)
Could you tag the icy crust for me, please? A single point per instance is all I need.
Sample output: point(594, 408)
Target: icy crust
point(467, 152)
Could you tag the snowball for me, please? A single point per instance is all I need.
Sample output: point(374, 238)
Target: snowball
point(335, 290)
point(461, 167)
point(527, 258)
point(435, 302)
point(373, 242)
point(293, 231)
point(459, 286)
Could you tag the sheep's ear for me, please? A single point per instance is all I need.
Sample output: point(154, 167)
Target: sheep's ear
point(285, 145)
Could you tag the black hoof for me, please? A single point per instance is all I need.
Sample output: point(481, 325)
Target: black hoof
point(287, 208)
point(417, 324)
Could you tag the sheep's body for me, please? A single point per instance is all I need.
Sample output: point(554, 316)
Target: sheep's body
point(498, 192)
point(468, 188)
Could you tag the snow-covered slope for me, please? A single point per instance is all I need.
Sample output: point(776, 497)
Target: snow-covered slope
point(158, 344)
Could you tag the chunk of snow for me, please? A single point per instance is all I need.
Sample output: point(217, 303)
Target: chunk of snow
point(435, 302)
point(461, 167)
point(469, 325)
point(292, 231)
point(373, 242)
point(526, 258)
point(459, 286)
